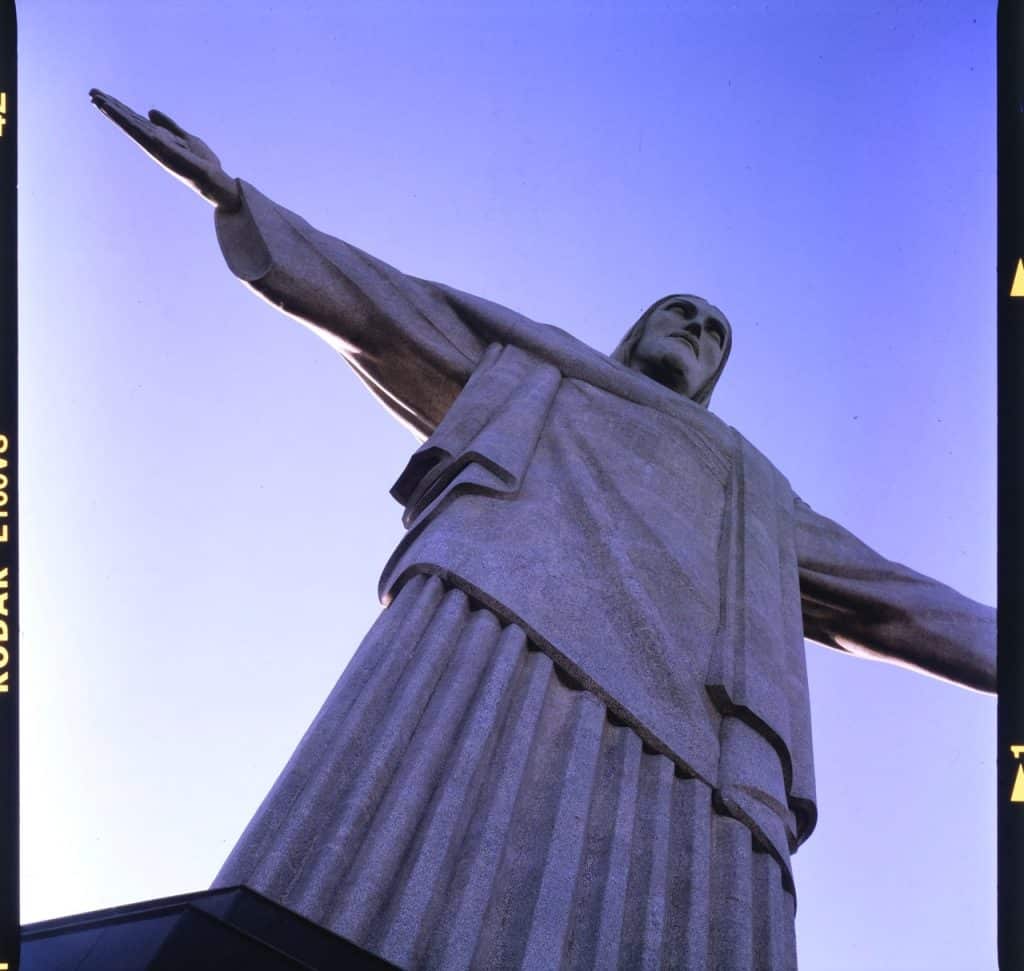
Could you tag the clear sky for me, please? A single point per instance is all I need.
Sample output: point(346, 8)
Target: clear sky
point(204, 483)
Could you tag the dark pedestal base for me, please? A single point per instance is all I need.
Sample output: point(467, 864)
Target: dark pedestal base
point(219, 930)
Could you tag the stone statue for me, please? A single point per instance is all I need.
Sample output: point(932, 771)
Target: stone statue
point(579, 734)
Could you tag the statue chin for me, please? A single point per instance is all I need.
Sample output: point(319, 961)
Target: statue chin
point(668, 371)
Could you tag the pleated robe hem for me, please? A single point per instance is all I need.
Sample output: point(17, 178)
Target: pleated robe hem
point(457, 803)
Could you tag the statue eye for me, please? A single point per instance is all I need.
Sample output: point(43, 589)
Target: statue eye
point(716, 330)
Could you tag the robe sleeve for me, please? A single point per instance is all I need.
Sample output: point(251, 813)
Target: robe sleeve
point(413, 343)
point(857, 601)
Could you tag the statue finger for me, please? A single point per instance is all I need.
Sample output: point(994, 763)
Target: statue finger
point(166, 121)
point(123, 116)
point(110, 105)
point(125, 122)
point(98, 97)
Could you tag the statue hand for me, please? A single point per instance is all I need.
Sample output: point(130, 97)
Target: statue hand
point(183, 155)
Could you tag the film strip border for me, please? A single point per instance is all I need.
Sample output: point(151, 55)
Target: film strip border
point(9, 679)
point(1010, 304)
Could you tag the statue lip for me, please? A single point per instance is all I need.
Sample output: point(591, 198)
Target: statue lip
point(689, 338)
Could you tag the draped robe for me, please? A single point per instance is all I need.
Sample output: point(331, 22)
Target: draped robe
point(578, 531)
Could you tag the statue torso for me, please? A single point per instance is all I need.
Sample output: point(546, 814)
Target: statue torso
point(594, 521)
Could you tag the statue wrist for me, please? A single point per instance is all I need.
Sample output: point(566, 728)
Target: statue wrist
point(223, 191)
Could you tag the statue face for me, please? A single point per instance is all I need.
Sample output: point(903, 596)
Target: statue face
point(682, 344)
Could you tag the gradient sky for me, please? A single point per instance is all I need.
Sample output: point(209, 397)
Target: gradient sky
point(204, 483)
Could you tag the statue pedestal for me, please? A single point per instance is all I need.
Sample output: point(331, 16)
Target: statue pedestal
point(212, 929)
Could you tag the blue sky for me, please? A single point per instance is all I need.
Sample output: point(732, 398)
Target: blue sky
point(204, 484)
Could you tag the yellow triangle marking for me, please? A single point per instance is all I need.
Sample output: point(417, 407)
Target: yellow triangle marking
point(1018, 786)
point(1017, 290)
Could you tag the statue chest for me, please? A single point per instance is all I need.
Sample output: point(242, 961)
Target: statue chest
point(594, 522)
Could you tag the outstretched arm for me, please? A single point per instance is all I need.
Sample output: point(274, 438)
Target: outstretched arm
point(413, 343)
point(857, 601)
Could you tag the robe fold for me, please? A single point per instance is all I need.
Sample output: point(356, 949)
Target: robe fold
point(603, 590)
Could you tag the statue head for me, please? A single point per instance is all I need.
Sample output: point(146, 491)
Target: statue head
point(682, 342)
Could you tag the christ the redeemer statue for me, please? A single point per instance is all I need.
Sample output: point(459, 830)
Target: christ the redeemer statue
point(578, 736)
